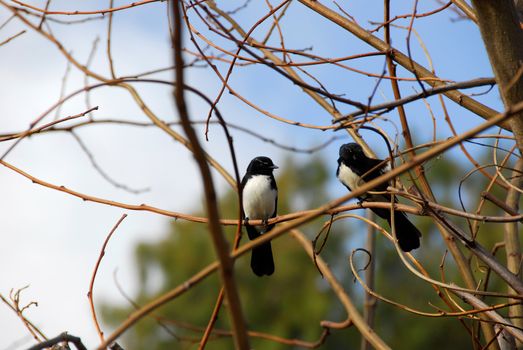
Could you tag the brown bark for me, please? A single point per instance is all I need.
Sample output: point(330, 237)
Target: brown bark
point(503, 39)
point(512, 243)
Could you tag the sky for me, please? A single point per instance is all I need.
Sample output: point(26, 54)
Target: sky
point(51, 240)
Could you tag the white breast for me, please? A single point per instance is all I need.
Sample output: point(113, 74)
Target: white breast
point(259, 199)
point(348, 177)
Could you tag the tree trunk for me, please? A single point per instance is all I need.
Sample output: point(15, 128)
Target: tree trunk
point(499, 24)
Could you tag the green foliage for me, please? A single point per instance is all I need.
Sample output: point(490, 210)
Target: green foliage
point(292, 302)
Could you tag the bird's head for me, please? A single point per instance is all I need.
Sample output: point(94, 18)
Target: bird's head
point(261, 165)
point(351, 152)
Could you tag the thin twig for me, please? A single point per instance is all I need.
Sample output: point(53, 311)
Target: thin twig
point(93, 277)
point(73, 13)
point(494, 316)
point(12, 37)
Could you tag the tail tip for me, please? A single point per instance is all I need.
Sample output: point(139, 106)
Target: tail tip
point(409, 244)
point(261, 271)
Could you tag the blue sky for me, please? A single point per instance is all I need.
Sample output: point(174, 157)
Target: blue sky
point(51, 240)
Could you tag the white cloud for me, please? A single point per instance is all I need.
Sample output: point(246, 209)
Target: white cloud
point(51, 240)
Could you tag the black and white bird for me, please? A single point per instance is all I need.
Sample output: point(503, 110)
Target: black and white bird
point(354, 169)
point(260, 200)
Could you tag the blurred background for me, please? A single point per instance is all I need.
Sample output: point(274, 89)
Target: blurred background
point(51, 240)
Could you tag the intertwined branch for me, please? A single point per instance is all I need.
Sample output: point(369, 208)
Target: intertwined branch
point(206, 35)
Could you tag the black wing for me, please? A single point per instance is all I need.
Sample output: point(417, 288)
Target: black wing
point(273, 185)
point(372, 169)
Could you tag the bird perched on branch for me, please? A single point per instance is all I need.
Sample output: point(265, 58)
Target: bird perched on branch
point(260, 199)
point(354, 169)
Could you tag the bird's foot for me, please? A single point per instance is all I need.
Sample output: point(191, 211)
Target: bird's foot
point(361, 200)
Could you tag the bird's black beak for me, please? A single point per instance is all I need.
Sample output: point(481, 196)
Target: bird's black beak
point(274, 167)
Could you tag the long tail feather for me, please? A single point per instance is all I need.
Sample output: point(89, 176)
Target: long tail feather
point(408, 235)
point(262, 262)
